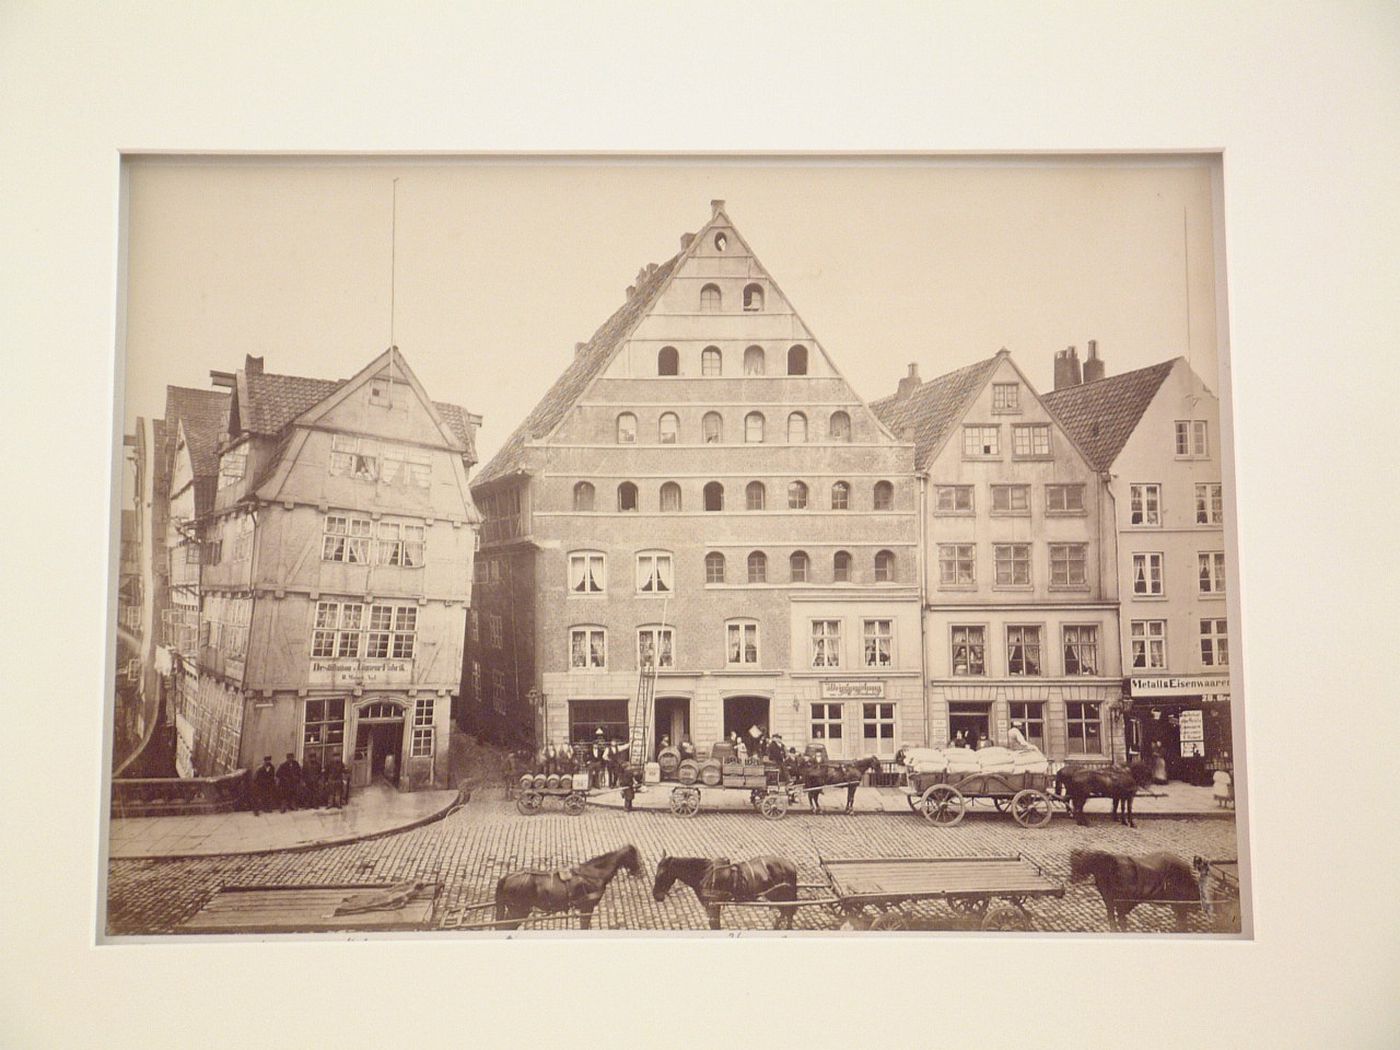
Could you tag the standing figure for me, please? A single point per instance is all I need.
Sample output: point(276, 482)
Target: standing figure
point(599, 757)
point(289, 782)
point(264, 792)
point(741, 752)
point(1016, 739)
point(311, 797)
point(337, 782)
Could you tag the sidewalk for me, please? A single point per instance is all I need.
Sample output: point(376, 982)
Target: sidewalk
point(371, 811)
point(1161, 800)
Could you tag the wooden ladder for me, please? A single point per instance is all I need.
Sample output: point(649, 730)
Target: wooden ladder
point(641, 716)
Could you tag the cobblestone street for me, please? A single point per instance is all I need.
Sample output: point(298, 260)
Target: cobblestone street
point(472, 848)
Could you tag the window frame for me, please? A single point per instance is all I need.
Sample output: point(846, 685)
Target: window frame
point(755, 489)
point(582, 489)
point(668, 490)
point(1016, 634)
point(1006, 398)
point(399, 551)
point(661, 582)
point(711, 362)
point(1186, 432)
point(1214, 635)
point(824, 652)
point(888, 572)
point(1145, 502)
point(347, 541)
point(1064, 489)
point(955, 491)
point(1077, 718)
point(752, 421)
point(837, 573)
point(1210, 504)
point(844, 488)
point(600, 578)
point(1032, 432)
point(323, 746)
point(712, 489)
point(666, 653)
point(1210, 574)
point(1082, 645)
point(806, 563)
point(623, 436)
point(799, 495)
point(675, 434)
point(1145, 637)
point(979, 646)
point(587, 631)
point(1010, 510)
point(805, 360)
point(1147, 558)
point(705, 430)
point(820, 726)
point(753, 303)
point(888, 638)
point(831, 427)
point(711, 299)
point(1013, 561)
point(974, 437)
point(629, 486)
point(760, 358)
point(886, 713)
point(1062, 555)
point(744, 627)
point(951, 554)
point(798, 420)
point(1032, 713)
point(423, 732)
point(762, 565)
point(709, 565)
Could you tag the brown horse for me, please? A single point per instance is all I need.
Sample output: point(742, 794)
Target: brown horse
point(814, 778)
point(579, 888)
point(1125, 882)
point(1120, 783)
point(765, 878)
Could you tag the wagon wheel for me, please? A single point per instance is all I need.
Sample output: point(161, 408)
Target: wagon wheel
point(1000, 802)
point(913, 801)
point(774, 805)
point(685, 801)
point(1031, 808)
point(943, 805)
point(575, 804)
point(1006, 917)
point(529, 803)
point(890, 920)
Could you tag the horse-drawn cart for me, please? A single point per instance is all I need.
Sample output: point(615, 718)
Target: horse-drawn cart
point(771, 800)
point(535, 792)
point(942, 798)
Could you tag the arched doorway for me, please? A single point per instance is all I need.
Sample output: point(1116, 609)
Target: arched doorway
point(378, 752)
point(742, 713)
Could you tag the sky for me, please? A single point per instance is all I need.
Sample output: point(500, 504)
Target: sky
point(499, 267)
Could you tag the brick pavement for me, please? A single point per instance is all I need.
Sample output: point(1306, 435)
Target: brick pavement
point(471, 849)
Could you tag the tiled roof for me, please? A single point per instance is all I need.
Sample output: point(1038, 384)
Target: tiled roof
point(929, 411)
point(588, 363)
point(205, 416)
point(1100, 416)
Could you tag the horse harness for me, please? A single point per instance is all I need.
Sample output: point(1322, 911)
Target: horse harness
point(755, 872)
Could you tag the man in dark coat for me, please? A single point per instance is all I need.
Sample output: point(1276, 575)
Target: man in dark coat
point(311, 796)
point(264, 792)
point(777, 755)
point(289, 781)
point(337, 779)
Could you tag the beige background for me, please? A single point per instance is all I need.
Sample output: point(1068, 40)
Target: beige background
point(1306, 104)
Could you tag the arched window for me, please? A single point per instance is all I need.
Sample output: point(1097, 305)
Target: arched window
point(711, 361)
point(840, 496)
point(627, 429)
point(755, 496)
point(753, 428)
point(583, 496)
point(709, 299)
point(627, 496)
point(841, 567)
point(801, 566)
point(714, 567)
point(714, 496)
point(668, 361)
point(753, 361)
point(712, 428)
point(753, 297)
point(797, 429)
point(797, 360)
point(884, 566)
point(840, 426)
point(758, 567)
point(667, 427)
point(797, 495)
point(884, 495)
point(670, 498)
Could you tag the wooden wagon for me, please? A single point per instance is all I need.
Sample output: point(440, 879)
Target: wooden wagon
point(942, 798)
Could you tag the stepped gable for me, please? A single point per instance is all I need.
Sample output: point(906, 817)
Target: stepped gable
point(1101, 416)
point(588, 363)
point(929, 412)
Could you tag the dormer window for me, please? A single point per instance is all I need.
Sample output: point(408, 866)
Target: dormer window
point(668, 362)
point(753, 297)
point(710, 299)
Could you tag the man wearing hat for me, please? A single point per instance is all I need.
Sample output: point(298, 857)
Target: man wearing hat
point(599, 755)
point(1016, 739)
point(264, 793)
point(288, 781)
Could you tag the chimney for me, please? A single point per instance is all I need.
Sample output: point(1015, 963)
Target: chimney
point(686, 240)
point(578, 348)
point(716, 206)
point(1067, 372)
point(252, 366)
point(1093, 364)
point(911, 382)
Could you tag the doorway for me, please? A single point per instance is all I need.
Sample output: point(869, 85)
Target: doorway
point(378, 745)
point(672, 720)
point(741, 713)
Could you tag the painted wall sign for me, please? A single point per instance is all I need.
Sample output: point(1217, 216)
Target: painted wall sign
point(853, 690)
point(1169, 685)
point(361, 672)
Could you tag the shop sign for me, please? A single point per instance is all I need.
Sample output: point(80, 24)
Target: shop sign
point(1192, 725)
point(343, 672)
point(853, 690)
point(1193, 749)
point(1170, 685)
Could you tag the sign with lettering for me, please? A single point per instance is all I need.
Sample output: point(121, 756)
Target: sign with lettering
point(853, 690)
point(1192, 725)
point(1193, 749)
point(352, 672)
point(1170, 685)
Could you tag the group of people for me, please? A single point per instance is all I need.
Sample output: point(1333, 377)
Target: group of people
point(605, 761)
point(975, 740)
point(294, 786)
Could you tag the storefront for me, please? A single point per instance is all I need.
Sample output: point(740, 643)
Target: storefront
point(1184, 719)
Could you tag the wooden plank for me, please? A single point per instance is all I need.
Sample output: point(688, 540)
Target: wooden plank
point(305, 909)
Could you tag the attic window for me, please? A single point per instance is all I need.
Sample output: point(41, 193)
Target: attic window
point(797, 361)
point(710, 299)
point(753, 297)
point(668, 361)
point(721, 241)
point(379, 393)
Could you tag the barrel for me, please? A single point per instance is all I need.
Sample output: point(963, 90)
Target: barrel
point(688, 772)
point(711, 773)
point(526, 781)
point(539, 783)
point(668, 758)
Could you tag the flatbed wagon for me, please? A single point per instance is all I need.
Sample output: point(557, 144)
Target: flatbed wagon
point(942, 798)
point(537, 792)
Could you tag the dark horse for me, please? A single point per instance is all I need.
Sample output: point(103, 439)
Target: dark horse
point(1125, 882)
point(814, 777)
point(579, 888)
point(715, 881)
point(1120, 783)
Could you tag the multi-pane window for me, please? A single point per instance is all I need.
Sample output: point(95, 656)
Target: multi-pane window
point(1013, 564)
point(1068, 564)
point(323, 731)
point(586, 573)
point(712, 428)
point(654, 572)
point(340, 630)
point(474, 621)
point(1011, 499)
point(709, 299)
point(1084, 728)
point(957, 565)
point(884, 566)
point(499, 694)
point(800, 565)
point(1006, 397)
point(232, 467)
point(1023, 650)
point(401, 544)
point(841, 567)
point(797, 429)
point(877, 729)
point(346, 539)
point(753, 428)
point(1215, 643)
point(1081, 649)
point(1145, 504)
point(495, 630)
point(1064, 499)
point(755, 496)
point(627, 429)
point(753, 361)
point(797, 495)
point(583, 496)
point(421, 743)
point(969, 650)
point(337, 630)
point(402, 466)
point(354, 457)
point(877, 643)
point(1147, 574)
point(840, 429)
point(1191, 438)
point(656, 647)
point(1210, 504)
point(953, 499)
point(826, 729)
point(840, 496)
point(1211, 571)
point(668, 428)
point(980, 440)
point(1148, 642)
point(883, 496)
point(711, 361)
point(1031, 718)
point(758, 567)
point(826, 643)
point(392, 632)
point(1030, 439)
point(588, 648)
point(670, 498)
point(741, 643)
point(714, 567)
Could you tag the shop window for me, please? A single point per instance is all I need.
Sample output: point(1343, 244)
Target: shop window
point(1085, 729)
point(1013, 564)
point(670, 498)
point(797, 429)
point(1023, 651)
point(627, 496)
point(1148, 641)
point(797, 361)
point(969, 650)
point(714, 496)
point(753, 428)
point(1211, 572)
point(1064, 499)
point(883, 496)
point(668, 361)
point(758, 567)
point(841, 567)
point(800, 566)
point(586, 717)
point(957, 565)
point(710, 299)
point(656, 647)
point(840, 496)
point(1011, 499)
point(668, 428)
point(840, 427)
point(884, 566)
point(1147, 575)
point(797, 495)
point(826, 729)
point(1030, 718)
point(583, 496)
point(754, 364)
point(1210, 504)
point(1081, 649)
point(588, 648)
point(878, 729)
point(627, 429)
point(714, 567)
point(981, 441)
point(952, 499)
point(753, 297)
point(1215, 644)
point(755, 496)
point(877, 643)
point(826, 643)
point(421, 742)
point(323, 731)
point(1030, 441)
point(587, 572)
point(654, 572)
point(711, 361)
point(1145, 504)
point(712, 428)
point(1069, 565)
point(741, 643)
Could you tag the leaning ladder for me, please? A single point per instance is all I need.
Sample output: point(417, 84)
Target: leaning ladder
point(646, 693)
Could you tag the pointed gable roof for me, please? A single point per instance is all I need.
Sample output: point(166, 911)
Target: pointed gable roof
point(929, 411)
point(1101, 416)
point(204, 416)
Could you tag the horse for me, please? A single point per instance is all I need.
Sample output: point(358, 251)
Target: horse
point(1125, 882)
point(813, 778)
point(765, 878)
point(580, 887)
point(1120, 783)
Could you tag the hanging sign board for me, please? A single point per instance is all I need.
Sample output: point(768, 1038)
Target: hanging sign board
point(1192, 725)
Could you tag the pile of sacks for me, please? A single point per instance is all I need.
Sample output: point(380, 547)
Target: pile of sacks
point(965, 760)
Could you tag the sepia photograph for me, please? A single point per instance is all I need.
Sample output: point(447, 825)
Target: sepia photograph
point(520, 546)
